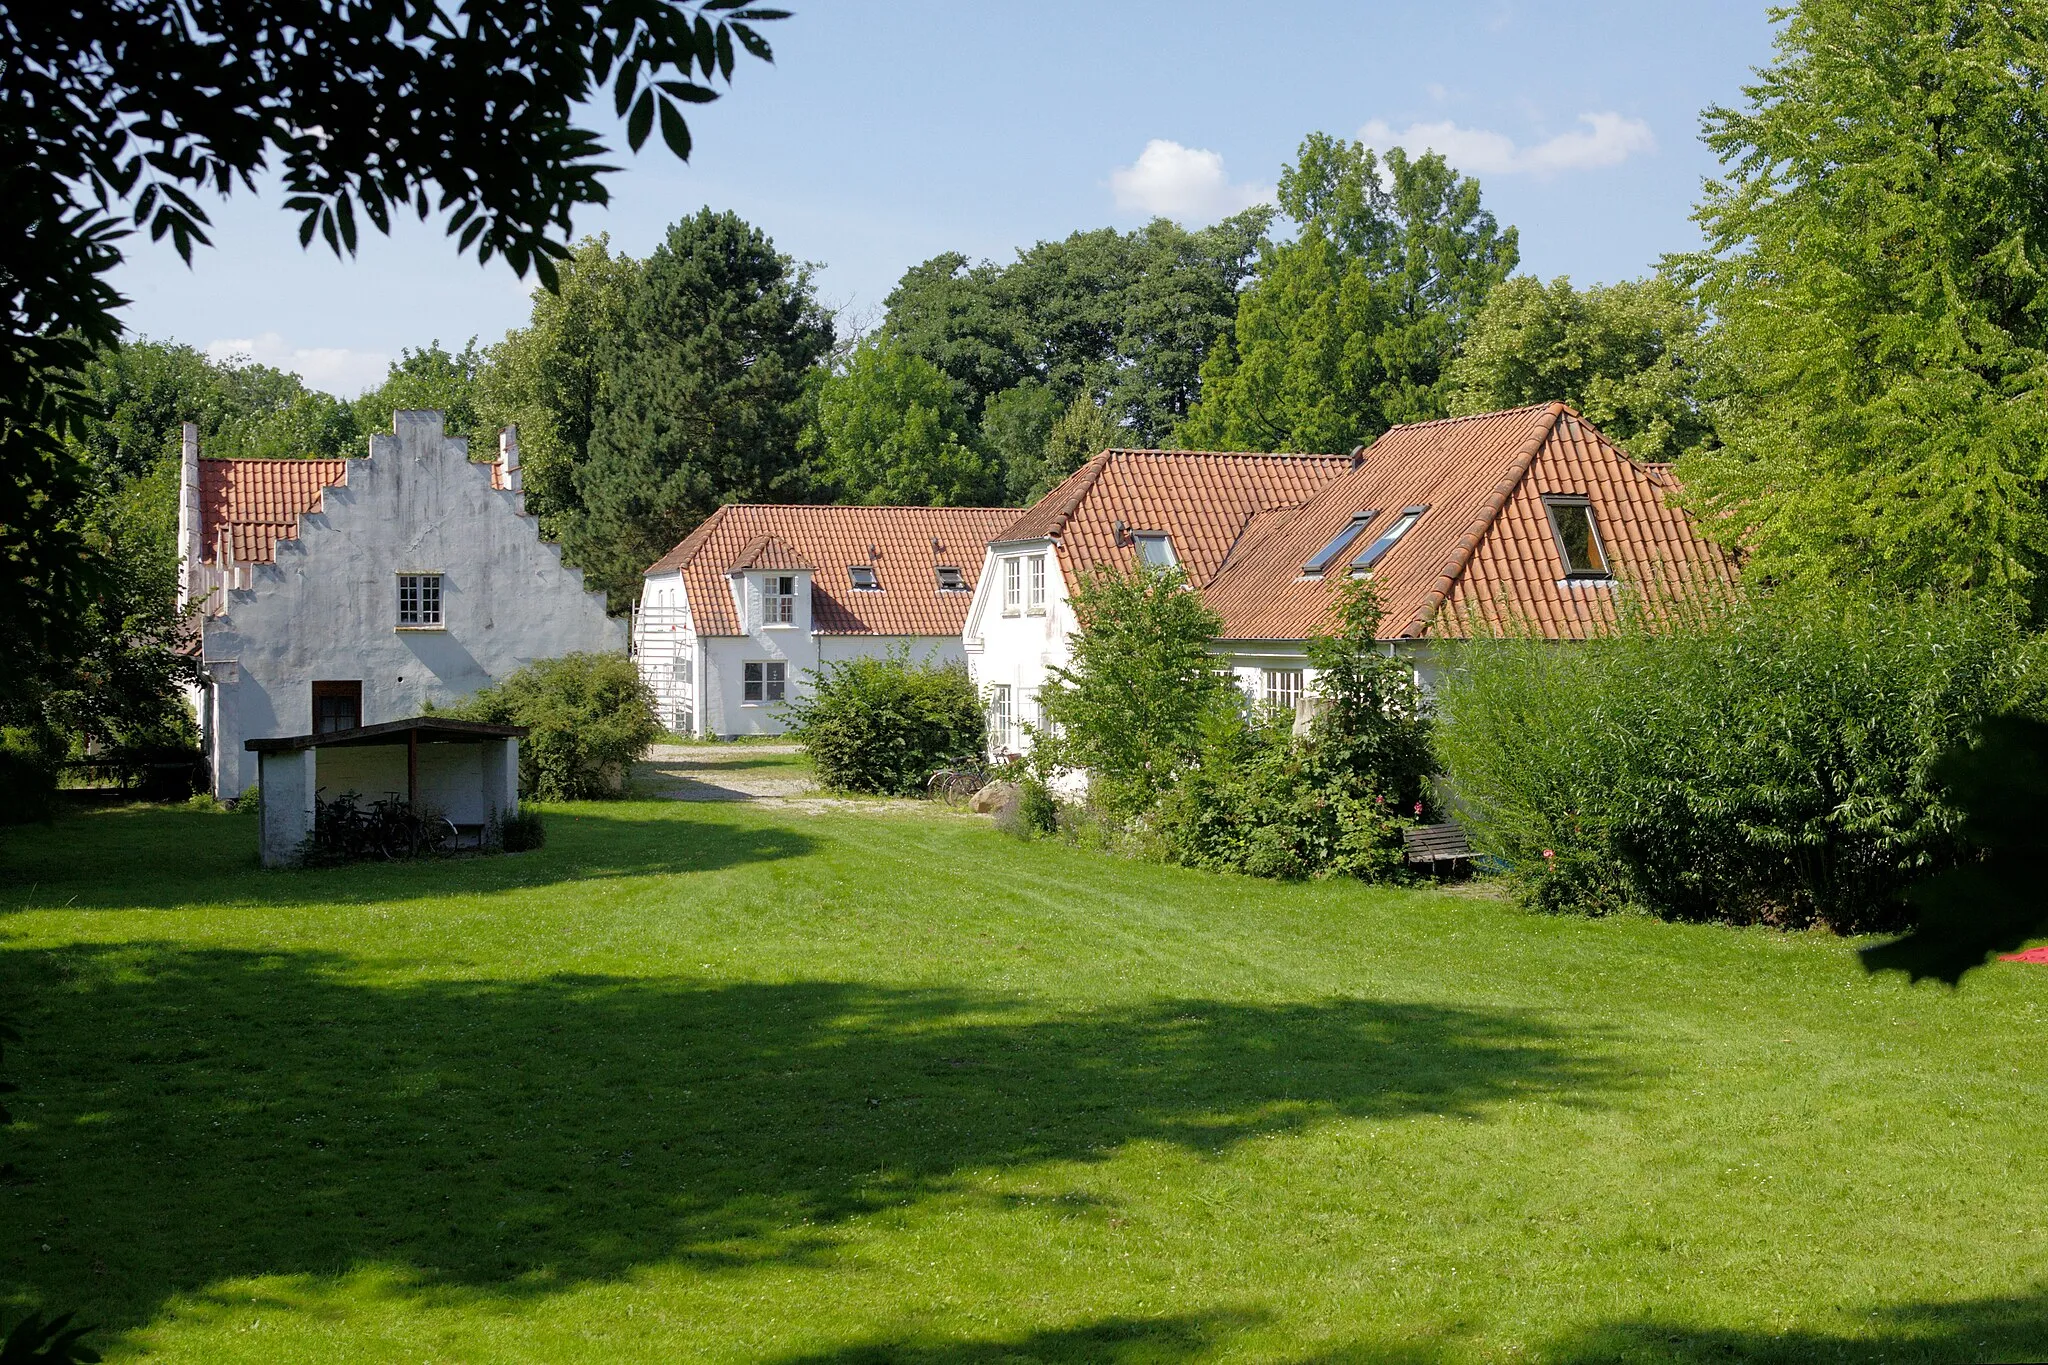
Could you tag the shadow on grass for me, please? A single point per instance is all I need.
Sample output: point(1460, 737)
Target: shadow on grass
point(144, 857)
point(1183, 1339)
point(203, 1116)
point(2013, 1327)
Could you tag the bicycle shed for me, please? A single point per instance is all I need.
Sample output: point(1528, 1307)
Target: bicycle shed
point(464, 770)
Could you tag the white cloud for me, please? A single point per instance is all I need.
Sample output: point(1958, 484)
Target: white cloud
point(1605, 139)
point(1183, 183)
point(333, 368)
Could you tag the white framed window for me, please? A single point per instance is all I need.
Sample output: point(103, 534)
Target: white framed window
point(1013, 585)
point(1281, 689)
point(778, 600)
point(1000, 718)
point(1155, 549)
point(763, 681)
point(1034, 585)
point(419, 600)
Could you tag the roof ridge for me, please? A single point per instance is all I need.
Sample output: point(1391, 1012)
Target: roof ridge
point(1228, 454)
point(1083, 480)
point(852, 507)
point(1489, 512)
point(1472, 417)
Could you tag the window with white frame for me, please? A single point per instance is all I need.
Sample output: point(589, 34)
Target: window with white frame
point(1155, 549)
point(1013, 585)
point(778, 600)
point(1034, 584)
point(763, 681)
point(1000, 718)
point(1282, 689)
point(419, 599)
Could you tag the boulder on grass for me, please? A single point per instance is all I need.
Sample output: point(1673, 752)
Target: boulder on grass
point(994, 799)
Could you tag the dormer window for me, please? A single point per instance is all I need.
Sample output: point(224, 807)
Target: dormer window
point(951, 579)
point(1155, 549)
point(864, 579)
point(1388, 538)
point(1578, 538)
point(778, 600)
point(1339, 543)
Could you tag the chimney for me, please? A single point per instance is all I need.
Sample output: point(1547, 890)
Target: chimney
point(188, 515)
point(508, 458)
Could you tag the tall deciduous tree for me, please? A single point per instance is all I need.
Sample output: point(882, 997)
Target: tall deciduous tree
point(433, 377)
point(1626, 355)
point(891, 430)
point(1347, 329)
point(1878, 273)
point(710, 380)
point(546, 378)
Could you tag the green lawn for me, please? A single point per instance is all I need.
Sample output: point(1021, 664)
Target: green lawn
point(725, 1083)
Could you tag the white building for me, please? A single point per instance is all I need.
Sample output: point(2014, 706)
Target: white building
point(1528, 518)
point(340, 593)
point(733, 620)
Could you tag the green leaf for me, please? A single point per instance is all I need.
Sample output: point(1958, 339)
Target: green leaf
point(642, 120)
point(674, 131)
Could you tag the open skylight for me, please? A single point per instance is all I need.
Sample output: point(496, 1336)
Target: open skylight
point(951, 579)
point(1339, 543)
point(1578, 538)
point(1155, 548)
point(1402, 525)
point(864, 579)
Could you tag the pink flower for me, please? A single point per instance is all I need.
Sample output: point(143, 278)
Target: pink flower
point(1548, 854)
point(1418, 810)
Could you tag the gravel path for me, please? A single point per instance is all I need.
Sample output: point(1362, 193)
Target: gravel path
point(726, 772)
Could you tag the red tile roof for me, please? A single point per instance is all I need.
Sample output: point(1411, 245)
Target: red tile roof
point(1484, 547)
point(1204, 500)
point(259, 502)
point(904, 545)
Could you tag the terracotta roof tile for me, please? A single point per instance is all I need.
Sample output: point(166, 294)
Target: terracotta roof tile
point(1206, 501)
point(1484, 546)
point(904, 545)
point(259, 502)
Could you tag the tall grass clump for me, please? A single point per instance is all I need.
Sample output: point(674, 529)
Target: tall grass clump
point(1759, 759)
point(884, 726)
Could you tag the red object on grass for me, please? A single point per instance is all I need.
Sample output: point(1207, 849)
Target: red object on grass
point(2030, 955)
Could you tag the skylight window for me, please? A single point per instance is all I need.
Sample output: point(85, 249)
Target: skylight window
point(1155, 549)
point(1403, 524)
point(1578, 538)
point(1339, 543)
point(863, 576)
point(951, 579)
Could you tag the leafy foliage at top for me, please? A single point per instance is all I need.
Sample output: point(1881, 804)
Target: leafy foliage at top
point(1627, 356)
point(891, 430)
point(1878, 272)
point(885, 725)
point(1348, 329)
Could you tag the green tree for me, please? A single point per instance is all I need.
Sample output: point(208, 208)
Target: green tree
point(1080, 433)
point(546, 378)
point(1877, 269)
point(1126, 317)
point(710, 383)
point(1130, 708)
point(1627, 356)
point(435, 378)
point(114, 115)
point(1015, 425)
point(1348, 329)
point(891, 430)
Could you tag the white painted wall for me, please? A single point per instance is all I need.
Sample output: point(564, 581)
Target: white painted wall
point(328, 608)
point(1017, 648)
point(665, 649)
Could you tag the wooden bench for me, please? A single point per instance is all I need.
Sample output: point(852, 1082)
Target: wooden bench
point(1440, 848)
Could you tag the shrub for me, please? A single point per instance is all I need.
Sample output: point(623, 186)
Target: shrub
point(1763, 760)
point(589, 716)
point(886, 725)
point(1130, 709)
point(28, 775)
point(520, 832)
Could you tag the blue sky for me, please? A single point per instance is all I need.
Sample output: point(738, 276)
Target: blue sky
point(891, 130)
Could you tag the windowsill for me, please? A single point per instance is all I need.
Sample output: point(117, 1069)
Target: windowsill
point(1011, 611)
point(778, 625)
point(414, 628)
point(1604, 580)
point(1035, 611)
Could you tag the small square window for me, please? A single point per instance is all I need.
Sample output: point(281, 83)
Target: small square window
point(951, 579)
point(1578, 538)
point(764, 681)
point(1155, 549)
point(1034, 584)
point(864, 579)
point(419, 599)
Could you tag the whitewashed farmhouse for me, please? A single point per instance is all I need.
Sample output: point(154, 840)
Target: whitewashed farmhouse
point(1528, 516)
point(341, 593)
point(734, 618)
